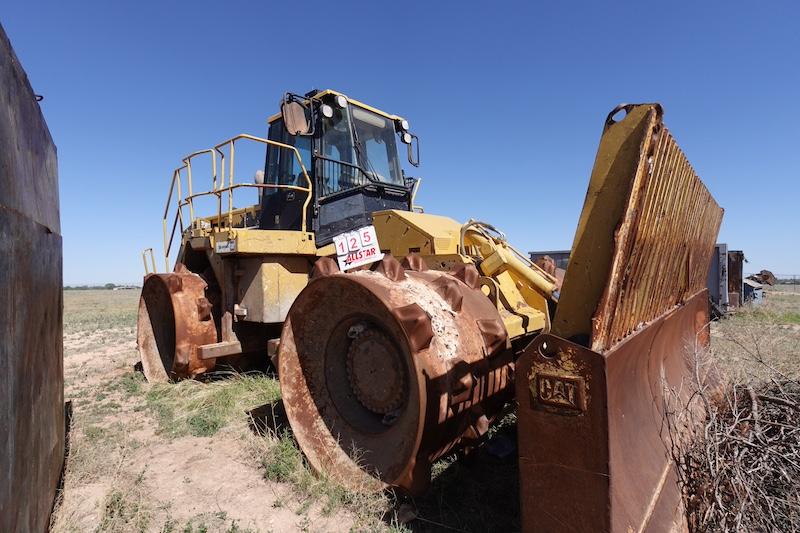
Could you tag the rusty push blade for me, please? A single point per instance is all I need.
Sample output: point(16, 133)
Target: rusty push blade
point(598, 461)
point(632, 313)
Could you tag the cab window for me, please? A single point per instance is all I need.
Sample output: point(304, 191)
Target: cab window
point(282, 166)
point(377, 138)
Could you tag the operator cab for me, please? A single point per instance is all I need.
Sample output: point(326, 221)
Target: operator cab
point(350, 153)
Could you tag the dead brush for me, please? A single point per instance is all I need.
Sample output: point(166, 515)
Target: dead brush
point(736, 445)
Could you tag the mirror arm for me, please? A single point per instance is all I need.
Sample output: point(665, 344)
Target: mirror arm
point(411, 159)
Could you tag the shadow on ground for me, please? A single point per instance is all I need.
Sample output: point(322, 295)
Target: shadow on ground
point(478, 492)
point(269, 418)
point(475, 493)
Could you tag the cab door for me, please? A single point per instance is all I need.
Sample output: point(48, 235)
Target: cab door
point(282, 209)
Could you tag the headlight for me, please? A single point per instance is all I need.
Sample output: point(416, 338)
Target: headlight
point(404, 125)
point(341, 101)
point(406, 138)
point(327, 111)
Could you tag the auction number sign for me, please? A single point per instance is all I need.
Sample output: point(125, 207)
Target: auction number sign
point(356, 248)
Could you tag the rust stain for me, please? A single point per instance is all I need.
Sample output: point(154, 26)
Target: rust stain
point(663, 247)
point(174, 319)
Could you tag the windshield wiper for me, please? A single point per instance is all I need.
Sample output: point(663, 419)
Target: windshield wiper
point(362, 156)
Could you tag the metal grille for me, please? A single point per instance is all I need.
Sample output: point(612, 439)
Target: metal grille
point(338, 176)
point(663, 246)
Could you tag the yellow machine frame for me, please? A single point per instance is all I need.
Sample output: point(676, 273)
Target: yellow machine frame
point(271, 267)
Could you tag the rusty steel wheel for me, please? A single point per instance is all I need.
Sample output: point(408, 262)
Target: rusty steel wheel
point(174, 319)
point(384, 371)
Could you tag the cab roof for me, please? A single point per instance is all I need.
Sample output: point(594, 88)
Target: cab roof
point(327, 92)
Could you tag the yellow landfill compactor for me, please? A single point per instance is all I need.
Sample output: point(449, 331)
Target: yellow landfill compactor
point(401, 336)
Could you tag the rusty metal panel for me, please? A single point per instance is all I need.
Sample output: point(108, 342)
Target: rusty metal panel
point(663, 247)
point(736, 277)
point(645, 236)
point(633, 309)
point(594, 457)
point(31, 363)
point(617, 161)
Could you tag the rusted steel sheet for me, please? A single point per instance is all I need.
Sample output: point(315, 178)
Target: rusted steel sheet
point(31, 354)
point(384, 371)
point(592, 449)
point(645, 235)
point(175, 319)
point(663, 248)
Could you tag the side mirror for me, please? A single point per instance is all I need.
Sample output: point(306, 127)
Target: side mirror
point(294, 118)
point(412, 141)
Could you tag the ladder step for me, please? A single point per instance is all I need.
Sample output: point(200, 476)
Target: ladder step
point(219, 349)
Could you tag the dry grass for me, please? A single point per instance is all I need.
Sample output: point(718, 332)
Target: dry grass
point(758, 341)
point(736, 441)
point(280, 460)
point(99, 310)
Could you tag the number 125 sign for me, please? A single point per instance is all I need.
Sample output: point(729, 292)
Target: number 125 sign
point(356, 248)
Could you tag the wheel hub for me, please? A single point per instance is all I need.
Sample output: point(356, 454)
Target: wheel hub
point(375, 371)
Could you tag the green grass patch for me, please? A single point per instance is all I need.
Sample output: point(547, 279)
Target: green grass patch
point(205, 424)
point(283, 462)
point(163, 410)
point(131, 383)
point(202, 409)
point(766, 316)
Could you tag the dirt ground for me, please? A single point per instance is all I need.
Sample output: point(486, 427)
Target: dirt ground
point(207, 457)
point(204, 457)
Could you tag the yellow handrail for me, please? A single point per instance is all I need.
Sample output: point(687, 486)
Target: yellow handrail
point(187, 162)
point(152, 260)
point(219, 187)
point(176, 177)
point(231, 149)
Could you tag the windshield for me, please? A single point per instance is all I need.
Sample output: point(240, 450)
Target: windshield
point(367, 143)
point(339, 171)
point(337, 138)
point(378, 145)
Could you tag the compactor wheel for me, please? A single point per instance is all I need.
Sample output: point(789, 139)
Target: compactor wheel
point(174, 319)
point(384, 371)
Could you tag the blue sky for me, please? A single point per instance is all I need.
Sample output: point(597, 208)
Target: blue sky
point(508, 99)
